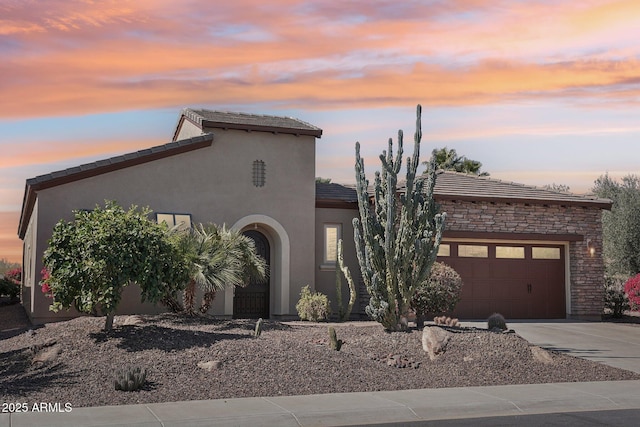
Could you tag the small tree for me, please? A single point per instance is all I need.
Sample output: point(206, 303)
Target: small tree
point(397, 239)
point(621, 225)
point(92, 258)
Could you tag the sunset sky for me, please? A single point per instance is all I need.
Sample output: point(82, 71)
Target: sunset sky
point(539, 91)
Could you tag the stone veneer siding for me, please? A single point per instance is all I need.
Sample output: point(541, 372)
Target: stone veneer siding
point(586, 272)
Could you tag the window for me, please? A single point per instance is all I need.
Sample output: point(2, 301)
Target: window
point(473, 251)
point(513, 252)
point(545, 253)
point(444, 249)
point(258, 173)
point(332, 232)
point(182, 221)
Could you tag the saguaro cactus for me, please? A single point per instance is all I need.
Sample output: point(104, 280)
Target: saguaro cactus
point(397, 238)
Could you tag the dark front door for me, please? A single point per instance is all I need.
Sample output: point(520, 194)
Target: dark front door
point(252, 301)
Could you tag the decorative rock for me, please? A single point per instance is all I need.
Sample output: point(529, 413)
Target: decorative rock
point(46, 356)
point(210, 365)
point(434, 341)
point(541, 355)
point(37, 348)
point(132, 320)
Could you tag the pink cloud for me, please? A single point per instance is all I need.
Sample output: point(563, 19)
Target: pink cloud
point(34, 153)
point(82, 56)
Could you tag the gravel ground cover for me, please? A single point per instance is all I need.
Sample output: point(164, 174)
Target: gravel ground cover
point(289, 358)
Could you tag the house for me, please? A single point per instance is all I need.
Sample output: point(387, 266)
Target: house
point(523, 251)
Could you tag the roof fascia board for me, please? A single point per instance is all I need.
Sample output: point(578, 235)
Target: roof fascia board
point(260, 128)
point(336, 204)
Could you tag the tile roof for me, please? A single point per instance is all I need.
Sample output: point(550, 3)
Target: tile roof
point(250, 122)
point(335, 192)
point(460, 186)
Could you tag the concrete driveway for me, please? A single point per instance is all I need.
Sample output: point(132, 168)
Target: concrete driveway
point(615, 344)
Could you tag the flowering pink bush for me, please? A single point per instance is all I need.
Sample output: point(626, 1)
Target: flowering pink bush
point(44, 282)
point(632, 288)
point(15, 275)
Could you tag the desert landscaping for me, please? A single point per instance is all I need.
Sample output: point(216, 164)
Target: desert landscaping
point(194, 358)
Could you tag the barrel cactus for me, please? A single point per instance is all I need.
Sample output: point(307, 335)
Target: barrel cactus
point(130, 379)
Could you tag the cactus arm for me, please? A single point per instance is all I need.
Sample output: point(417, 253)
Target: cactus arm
point(352, 287)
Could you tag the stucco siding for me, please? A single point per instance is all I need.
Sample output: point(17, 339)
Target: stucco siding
point(326, 274)
point(30, 277)
point(187, 130)
point(213, 184)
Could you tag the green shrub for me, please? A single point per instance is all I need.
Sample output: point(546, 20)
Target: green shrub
point(9, 288)
point(313, 306)
point(439, 294)
point(616, 299)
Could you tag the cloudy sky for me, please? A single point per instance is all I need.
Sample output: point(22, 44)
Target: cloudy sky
point(539, 91)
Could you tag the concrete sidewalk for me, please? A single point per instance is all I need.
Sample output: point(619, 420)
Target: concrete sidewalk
point(394, 407)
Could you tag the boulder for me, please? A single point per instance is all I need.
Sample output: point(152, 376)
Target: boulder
point(46, 356)
point(132, 320)
point(435, 340)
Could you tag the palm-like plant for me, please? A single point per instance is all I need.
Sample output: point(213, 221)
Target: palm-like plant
point(216, 258)
point(448, 159)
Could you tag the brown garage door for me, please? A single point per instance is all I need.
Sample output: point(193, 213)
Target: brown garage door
point(519, 281)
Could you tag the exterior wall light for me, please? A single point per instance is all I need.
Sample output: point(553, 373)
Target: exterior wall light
point(591, 247)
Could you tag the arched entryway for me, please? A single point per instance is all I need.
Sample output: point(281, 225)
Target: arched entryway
point(253, 300)
point(279, 248)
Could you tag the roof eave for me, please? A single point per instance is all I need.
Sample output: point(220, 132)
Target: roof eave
point(336, 204)
point(28, 201)
point(260, 128)
point(600, 204)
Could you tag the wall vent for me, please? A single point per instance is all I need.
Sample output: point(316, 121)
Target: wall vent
point(258, 173)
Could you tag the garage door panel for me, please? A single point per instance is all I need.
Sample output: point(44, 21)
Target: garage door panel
point(517, 288)
point(485, 289)
point(483, 308)
point(519, 309)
